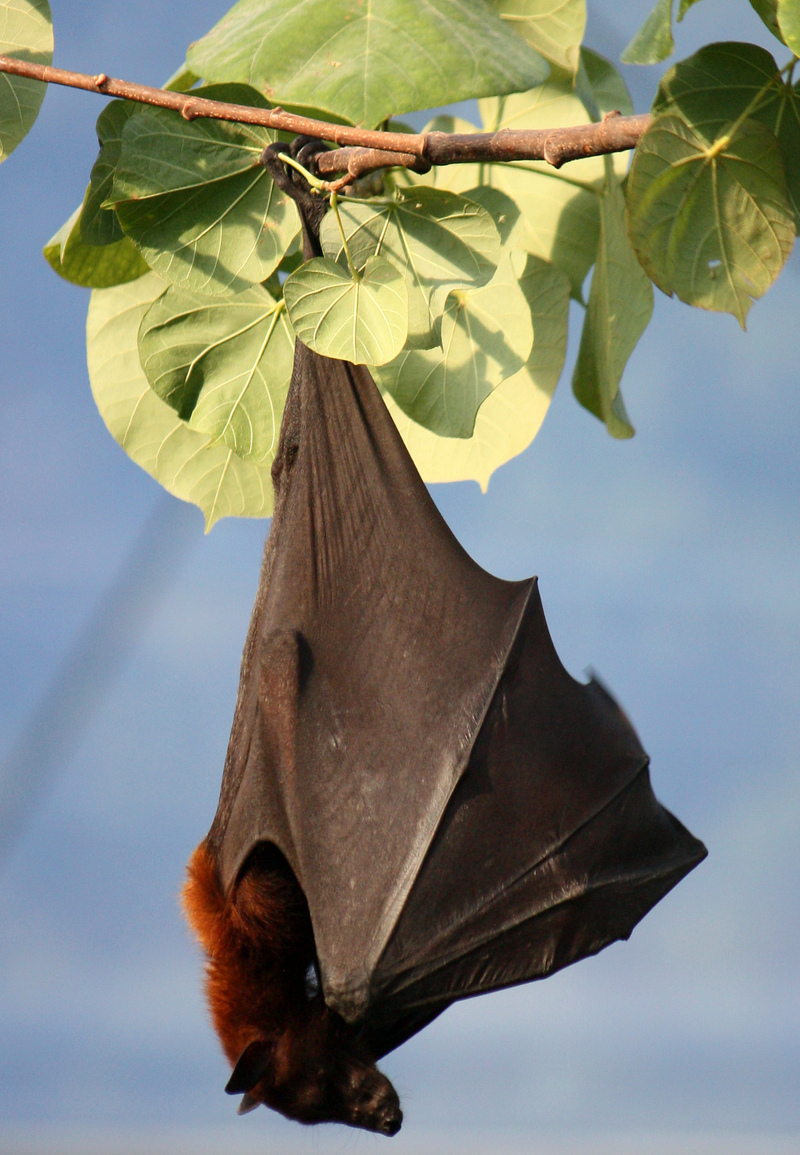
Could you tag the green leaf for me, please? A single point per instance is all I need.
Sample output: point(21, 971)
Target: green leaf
point(367, 61)
point(789, 24)
point(619, 309)
point(720, 83)
point(437, 240)
point(486, 336)
point(768, 11)
point(653, 41)
point(553, 27)
point(684, 7)
point(195, 201)
point(26, 32)
point(608, 91)
point(92, 266)
point(711, 223)
point(223, 365)
point(100, 225)
point(150, 432)
point(511, 416)
point(716, 85)
point(363, 321)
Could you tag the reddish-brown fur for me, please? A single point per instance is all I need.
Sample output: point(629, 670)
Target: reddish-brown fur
point(259, 942)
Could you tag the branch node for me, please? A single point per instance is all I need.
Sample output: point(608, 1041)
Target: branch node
point(189, 110)
point(610, 115)
point(552, 152)
point(101, 80)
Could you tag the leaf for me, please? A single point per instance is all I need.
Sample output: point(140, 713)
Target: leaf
point(150, 432)
point(486, 336)
point(719, 84)
point(653, 42)
point(510, 417)
point(92, 266)
point(196, 202)
point(555, 28)
point(99, 225)
point(768, 11)
point(716, 85)
point(223, 365)
point(26, 32)
point(684, 7)
point(367, 61)
point(362, 321)
point(710, 223)
point(435, 239)
point(619, 309)
point(789, 24)
point(608, 91)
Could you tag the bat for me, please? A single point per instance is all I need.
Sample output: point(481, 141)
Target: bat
point(419, 804)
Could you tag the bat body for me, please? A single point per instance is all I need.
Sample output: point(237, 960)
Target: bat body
point(418, 801)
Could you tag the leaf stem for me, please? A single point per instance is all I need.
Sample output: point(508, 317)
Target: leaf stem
point(354, 273)
point(317, 185)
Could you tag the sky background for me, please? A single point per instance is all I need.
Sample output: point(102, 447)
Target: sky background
point(670, 564)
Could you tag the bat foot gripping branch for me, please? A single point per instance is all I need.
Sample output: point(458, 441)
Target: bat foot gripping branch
point(419, 803)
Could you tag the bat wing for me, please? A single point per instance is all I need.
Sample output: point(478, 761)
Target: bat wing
point(460, 813)
point(552, 846)
point(374, 653)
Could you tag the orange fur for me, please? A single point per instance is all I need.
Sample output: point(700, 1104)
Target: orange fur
point(260, 948)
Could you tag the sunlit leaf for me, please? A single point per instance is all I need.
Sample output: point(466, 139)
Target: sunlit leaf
point(513, 414)
point(619, 309)
point(195, 200)
point(711, 223)
point(367, 61)
point(653, 41)
point(92, 266)
point(437, 240)
point(224, 364)
point(553, 27)
point(789, 24)
point(26, 32)
point(720, 83)
point(149, 431)
point(608, 92)
point(486, 336)
point(684, 7)
point(363, 321)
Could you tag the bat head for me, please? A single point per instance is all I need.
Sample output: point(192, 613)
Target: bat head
point(317, 1077)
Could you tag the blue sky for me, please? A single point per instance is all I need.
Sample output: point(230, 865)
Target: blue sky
point(670, 564)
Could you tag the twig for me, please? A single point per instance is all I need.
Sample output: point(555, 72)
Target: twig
point(368, 149)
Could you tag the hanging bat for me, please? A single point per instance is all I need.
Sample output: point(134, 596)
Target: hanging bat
point(419, 803)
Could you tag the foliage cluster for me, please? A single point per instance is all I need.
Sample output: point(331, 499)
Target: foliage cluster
point(454, 286)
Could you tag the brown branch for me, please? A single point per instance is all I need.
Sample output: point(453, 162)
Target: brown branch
point(368, 149)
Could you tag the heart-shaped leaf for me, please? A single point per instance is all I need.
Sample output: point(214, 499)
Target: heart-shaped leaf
point(619, 309)
point(195, 200)
point(369, 61)
point(711, 223)
point(486, 336)
point(149, 431)
point(224, 364)
point(26, 32)
point(92, 266)
point(437, 240)
point(364, 321)
point(719, 84)
point(510, 417)
point(768, 11)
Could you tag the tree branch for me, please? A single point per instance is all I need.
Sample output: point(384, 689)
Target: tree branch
point(367, 149)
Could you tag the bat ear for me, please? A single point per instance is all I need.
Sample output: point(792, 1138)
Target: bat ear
point(247, 1104)
point(251, 1067)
